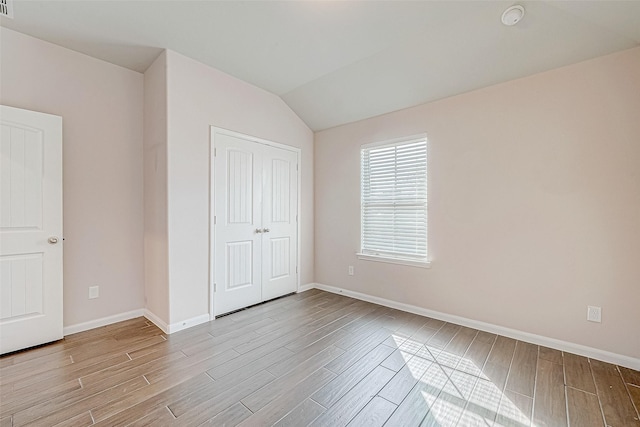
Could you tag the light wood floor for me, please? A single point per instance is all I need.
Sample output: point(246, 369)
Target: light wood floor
point(311, 359)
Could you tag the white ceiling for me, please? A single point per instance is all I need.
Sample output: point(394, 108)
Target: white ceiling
point(336, 62)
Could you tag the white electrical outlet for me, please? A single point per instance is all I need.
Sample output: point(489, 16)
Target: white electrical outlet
point(94, 292)
point(351, 270)
point(594, 314)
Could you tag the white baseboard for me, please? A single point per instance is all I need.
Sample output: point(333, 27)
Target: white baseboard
point(156, 320)
point(177, 326)
point(185, 324)
point(593, 353)
point(104, 321)
point(307, 287)
point(167, 329)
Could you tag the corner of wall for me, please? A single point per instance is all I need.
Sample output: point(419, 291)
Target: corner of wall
point(155, 192)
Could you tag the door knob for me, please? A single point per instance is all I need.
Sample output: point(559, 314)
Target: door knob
point(265, 230)
point(258, 230)
point(53, 240)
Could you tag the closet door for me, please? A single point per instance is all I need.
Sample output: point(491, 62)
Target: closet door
point(255, 230)
point(238, 223)
point(279, 222)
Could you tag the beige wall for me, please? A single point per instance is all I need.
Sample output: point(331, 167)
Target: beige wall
point(199, 97)
point(534, 204)
point(101, 107)
point(156, 250)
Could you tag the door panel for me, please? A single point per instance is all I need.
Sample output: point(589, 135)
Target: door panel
point(24, 274)
point(30, 214)
point(239, 187)
point(280, 251)
point(239, 264)
point(280, 190)
point(237, 204)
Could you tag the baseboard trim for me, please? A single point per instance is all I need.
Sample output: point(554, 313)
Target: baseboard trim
point(188, 323)
point(307, 287)
point(593, 353)
point(155, 319)
point(167, 329)
point(104, 321)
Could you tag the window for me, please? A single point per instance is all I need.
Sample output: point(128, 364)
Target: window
point(394, 201)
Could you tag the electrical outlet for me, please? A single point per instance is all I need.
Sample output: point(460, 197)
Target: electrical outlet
point(351, 270)
point(594, 314)
point(94, 292)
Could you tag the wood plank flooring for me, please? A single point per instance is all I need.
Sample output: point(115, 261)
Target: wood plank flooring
point(316, 359)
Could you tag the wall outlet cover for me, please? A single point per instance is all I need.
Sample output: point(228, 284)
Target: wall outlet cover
point(594, 314)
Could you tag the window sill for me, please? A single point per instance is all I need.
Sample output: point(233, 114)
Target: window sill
point(377, 258)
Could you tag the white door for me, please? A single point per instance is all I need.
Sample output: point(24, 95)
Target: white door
point(255, 221)
point(279, 222)
point(30, 228)
point(238, 226)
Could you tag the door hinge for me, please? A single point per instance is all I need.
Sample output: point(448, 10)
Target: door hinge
point(214, 220)
point(215, 152)
point(215, 287)
point(297, 167)
point(296, 269)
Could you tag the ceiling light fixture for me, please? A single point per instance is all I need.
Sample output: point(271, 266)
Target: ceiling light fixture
point(512, 15)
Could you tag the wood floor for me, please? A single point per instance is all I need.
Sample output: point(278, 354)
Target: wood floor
point(311, 359)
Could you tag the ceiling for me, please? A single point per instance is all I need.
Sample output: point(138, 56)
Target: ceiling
point(336, 62)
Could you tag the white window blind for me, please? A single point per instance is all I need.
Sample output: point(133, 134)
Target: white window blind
point(394, 200)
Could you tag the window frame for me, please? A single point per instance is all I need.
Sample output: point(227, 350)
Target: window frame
point(366, 256)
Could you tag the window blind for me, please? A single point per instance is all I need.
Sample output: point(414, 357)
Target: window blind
point(394, 200)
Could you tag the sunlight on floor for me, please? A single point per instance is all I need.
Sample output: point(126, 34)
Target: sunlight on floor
point(455, 390)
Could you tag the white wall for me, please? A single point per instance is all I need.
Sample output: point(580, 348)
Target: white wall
point(534, 204)
point(101, 107)
point(199, 97)
point(156, 250)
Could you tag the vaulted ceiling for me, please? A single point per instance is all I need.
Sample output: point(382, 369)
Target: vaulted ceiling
point(334, 62)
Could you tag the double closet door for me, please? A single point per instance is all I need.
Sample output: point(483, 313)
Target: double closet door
point(255, 221)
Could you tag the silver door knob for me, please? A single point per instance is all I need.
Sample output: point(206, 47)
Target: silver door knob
point(53, 240)
point(258, 230)
point(265, 230)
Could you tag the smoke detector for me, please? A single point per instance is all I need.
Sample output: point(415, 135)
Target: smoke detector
point(6, 8)
point(512, 15)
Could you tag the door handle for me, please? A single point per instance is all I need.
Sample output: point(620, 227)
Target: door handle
point(258, 230)
point(53, 240)
point(265, 230)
